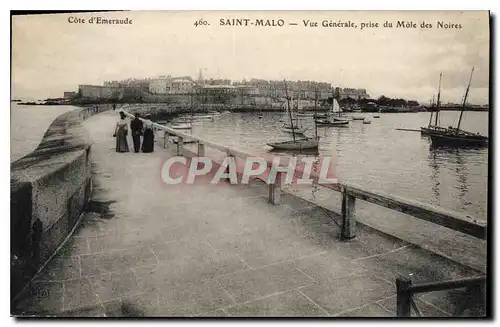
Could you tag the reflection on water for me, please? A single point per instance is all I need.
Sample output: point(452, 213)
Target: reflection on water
point(453, 160)
point(378, 156)
point(434, 175)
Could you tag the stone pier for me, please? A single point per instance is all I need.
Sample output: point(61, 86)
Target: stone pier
point(145, 248)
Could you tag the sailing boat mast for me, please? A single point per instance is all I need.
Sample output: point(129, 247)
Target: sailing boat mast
point(315, 111)
point(289, 111)
point(432, 112)
point(438, 101)
point(297, 110)
point(191, 105)
point(465, 99)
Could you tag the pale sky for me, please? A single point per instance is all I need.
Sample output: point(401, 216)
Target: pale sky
point(50, 55)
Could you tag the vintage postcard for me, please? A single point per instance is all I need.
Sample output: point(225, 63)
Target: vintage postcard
point(250, 164)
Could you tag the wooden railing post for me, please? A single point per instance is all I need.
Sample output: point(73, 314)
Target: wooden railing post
point(180, 144)
point(348, 222)
point(201, 149)
point(275, 189)
point(403, 300)
point(165, 139)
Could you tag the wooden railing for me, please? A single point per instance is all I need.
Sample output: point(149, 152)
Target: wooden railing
point(475, 287)
point(350, 192)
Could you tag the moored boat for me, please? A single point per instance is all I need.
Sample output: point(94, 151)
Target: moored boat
point(300, 144)
point(456, 137)
point(181, 126)
point(328, 123)
point(296, 143)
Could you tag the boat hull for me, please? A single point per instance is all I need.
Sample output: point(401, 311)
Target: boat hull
point(303, 144)
point(430, 130)
point(458, 140)
point(332, 123)
point(181, 126)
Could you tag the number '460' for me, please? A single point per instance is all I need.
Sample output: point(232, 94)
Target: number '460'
point(201, 22)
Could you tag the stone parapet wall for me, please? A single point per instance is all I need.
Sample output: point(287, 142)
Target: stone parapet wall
point(49, 190)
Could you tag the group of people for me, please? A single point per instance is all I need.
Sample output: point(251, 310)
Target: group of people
point(138, 130)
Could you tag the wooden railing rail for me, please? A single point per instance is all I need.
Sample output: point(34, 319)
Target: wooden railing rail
point(406, 290)
point(440, 216)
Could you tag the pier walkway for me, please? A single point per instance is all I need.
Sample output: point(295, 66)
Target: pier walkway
point(150, 249)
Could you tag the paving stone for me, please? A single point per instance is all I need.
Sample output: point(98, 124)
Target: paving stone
point(287, 304)
point(76, 246)
point(295, 203)
point(427, 310)
point(61, 268)
point(254, 247)
point(79, 293)
point(91, 312)
point(457, 302)
point(424, 266)
point(111, 226)
point(187, 231)
point(114, 285)
point(118, 260)
point(349, 292)
point(41, 298)
point(140, 305)
point(198, 297)
point(368, 311)
point(328, 266)
point(113, 308)
point(123, 241)
point(250, 284)
point(216, 263)
point(182, 250)
point(216, 313)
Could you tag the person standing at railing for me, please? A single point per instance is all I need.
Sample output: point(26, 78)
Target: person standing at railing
point(149, 139)
point(121, 132)
point(136, 126)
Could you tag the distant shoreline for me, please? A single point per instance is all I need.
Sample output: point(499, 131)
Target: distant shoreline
point(49, 103)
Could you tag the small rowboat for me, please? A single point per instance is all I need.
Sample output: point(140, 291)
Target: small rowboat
point(181, 126)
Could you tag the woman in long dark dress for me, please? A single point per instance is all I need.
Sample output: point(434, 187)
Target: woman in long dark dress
point(148, 141)
point(121, 132)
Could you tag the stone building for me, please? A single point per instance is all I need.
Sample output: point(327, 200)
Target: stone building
point(98, 91)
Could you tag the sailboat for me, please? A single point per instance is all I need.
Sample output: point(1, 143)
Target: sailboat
point(260, 115)
point(457, 137)
point(295, 144)
point(295, 129)
point(432, 128)
point(337, 122)
point(184, 123)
